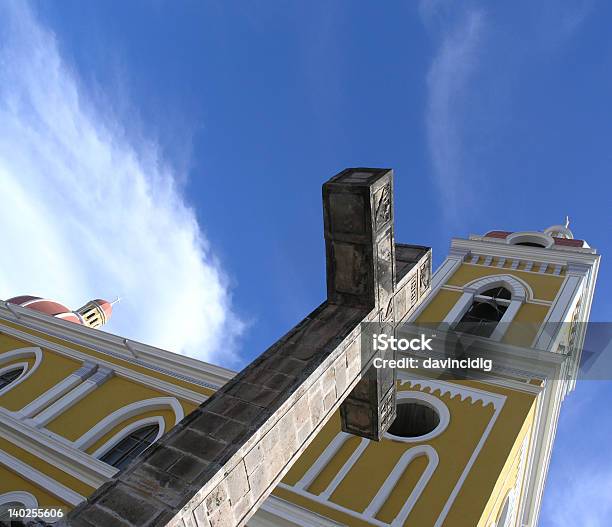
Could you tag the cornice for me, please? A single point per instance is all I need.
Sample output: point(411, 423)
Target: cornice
point(157, 359)
point(500, 248)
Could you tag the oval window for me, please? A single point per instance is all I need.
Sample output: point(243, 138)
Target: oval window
point(414, 419)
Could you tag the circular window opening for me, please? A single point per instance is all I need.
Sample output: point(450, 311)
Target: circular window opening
point(531, 244)
point(414, 419)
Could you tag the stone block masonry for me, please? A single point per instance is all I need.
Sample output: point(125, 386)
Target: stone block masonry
point(218, 464)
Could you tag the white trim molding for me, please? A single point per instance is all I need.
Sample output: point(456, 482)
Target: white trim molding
point(55, 451)
point(57, 391)
point(21, 353)
point(124, 432)
point(404, 396)
point(442, 275)
point(28, 500)
point(390, 483)
point(369, 514)
point(119, 370)
point(72, 397)
point(125, 412)
point(172, 364)
point(38, 478)
point(276, 512)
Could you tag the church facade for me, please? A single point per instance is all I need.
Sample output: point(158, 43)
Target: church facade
point(77, 405)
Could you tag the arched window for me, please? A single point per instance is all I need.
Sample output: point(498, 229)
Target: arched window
point(131, 446)
point(486, 311)
point(5, 508)
point(8, 376)
point(15, 500)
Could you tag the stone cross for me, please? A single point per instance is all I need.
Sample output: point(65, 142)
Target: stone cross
point(218, 464)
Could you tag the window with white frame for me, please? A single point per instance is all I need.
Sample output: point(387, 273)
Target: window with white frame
point(131, 446)
point(487, 306)
point(8, 376)
point(486, 311)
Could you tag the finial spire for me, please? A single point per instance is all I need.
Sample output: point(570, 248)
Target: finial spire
point(567, 222)
point(116, 301)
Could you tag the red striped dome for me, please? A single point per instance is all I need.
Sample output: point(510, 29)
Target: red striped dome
point(85, 315)
point(43, 305)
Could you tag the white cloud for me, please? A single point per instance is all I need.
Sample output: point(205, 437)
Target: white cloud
point(447, 80)
point(582, 499)
point(87, 214)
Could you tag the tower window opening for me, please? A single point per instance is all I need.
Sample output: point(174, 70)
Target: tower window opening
point(131, 446)
point(414, 419)
point(485, 312)
point(9, 376)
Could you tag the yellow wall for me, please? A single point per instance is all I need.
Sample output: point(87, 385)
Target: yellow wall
point(109, 358)
point(440, 305)
point(11, 482)
point(46, 468)
point(104, 400)
point(544, 286)
point(454, 446)
point(53, 369)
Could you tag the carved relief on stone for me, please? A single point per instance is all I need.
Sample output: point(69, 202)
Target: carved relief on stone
point(382, 200)
point(425, 273)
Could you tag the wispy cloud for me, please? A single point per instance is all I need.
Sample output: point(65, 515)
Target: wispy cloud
point(447, 82)
point(582, 499)
point(86, 212)
point(580, 481)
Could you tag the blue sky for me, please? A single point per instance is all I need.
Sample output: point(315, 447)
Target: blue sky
point(173, 153)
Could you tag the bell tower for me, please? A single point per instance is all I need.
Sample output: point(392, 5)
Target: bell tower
point(471, 449)
point(96, 313)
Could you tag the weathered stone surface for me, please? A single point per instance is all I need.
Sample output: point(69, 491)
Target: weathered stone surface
point(215, 467)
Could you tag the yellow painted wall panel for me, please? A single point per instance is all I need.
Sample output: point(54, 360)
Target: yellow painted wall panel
point(526, 324)
point(53, 369)
point(545, 287)
point(327, 474)
point(104, 400)
point(402, 490)
point(454, 446)
point(46, 468)
point(439, 307)
point(11, 482)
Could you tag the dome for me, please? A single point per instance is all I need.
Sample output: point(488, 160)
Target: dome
point(561, 231)
point(42, 305)
point(93, 314)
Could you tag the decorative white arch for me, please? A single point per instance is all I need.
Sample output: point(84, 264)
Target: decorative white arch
point(429, 400)
point(131, 410)
point(28, 500)
point(519, 291)
point(387, 487)
point(541, 238)
point(124, 432)
point(20, 353)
